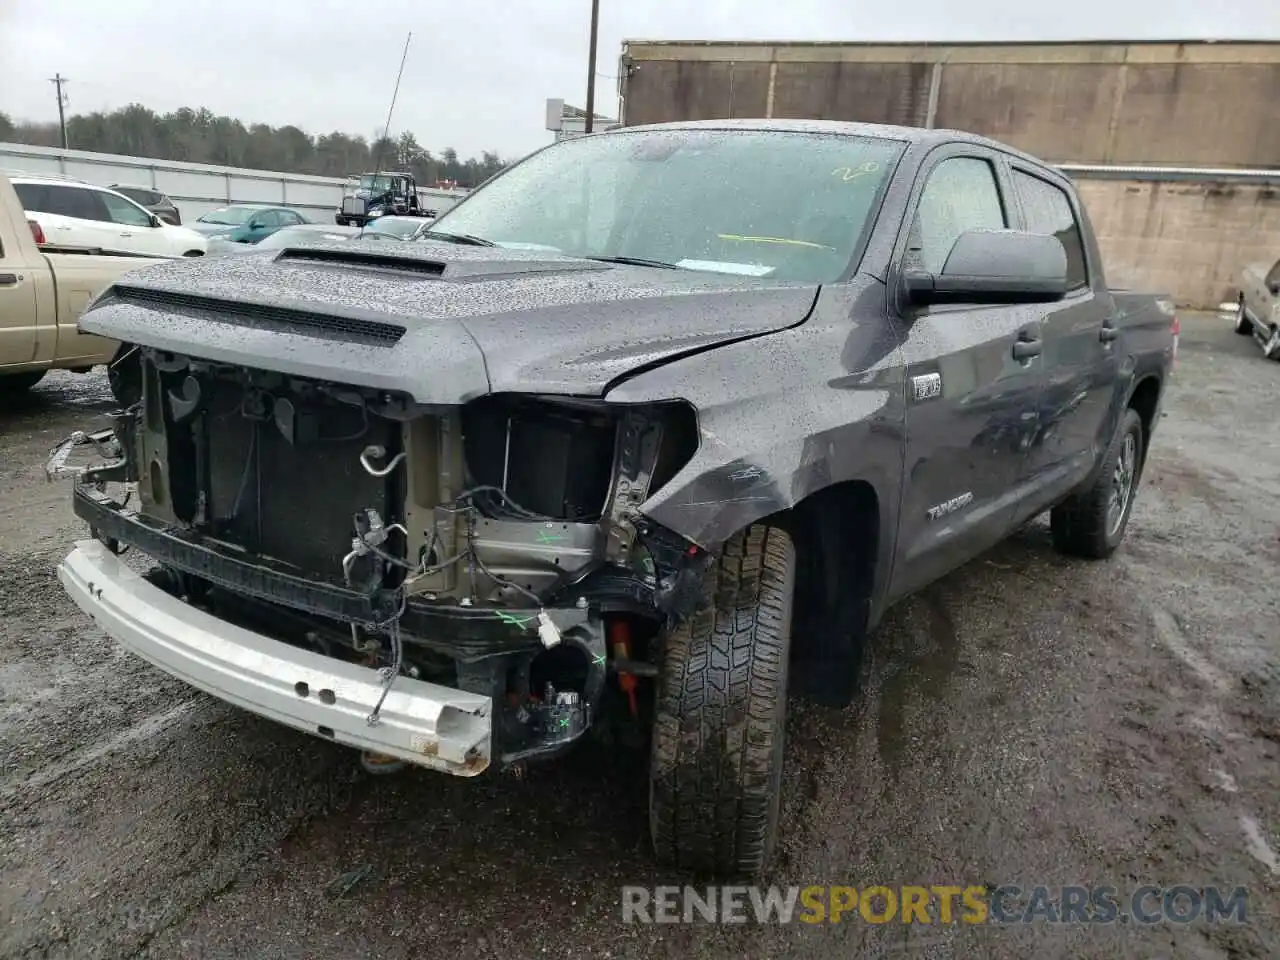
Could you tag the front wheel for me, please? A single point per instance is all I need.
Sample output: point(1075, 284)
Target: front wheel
point(1091, 523)
point(720, 717)
point(194, 253)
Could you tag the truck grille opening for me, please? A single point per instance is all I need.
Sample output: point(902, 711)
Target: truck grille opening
point(285, 470)
point(267, 466)
point(555, 461)
point(556, 457)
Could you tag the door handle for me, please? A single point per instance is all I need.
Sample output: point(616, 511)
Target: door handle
point(1108, 333)
point(1026, 349)
point(8, 279)
point(125, 233)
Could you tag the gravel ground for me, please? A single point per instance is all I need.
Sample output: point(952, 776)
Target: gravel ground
point(1027, 720)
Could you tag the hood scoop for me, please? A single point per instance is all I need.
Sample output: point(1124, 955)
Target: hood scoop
point(315, 256)
point(421, 258)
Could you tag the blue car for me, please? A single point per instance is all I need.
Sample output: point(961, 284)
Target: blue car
point(245, 223)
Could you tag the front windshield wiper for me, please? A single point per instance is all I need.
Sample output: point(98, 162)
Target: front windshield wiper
point(637, 262)
point(465, 238)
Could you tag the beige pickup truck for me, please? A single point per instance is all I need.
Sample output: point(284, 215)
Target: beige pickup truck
point(42, 294)
point(1258, 309)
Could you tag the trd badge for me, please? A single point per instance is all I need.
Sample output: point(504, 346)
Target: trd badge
point(927, 387)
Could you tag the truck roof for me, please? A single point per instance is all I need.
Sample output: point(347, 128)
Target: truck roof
point(911, 135)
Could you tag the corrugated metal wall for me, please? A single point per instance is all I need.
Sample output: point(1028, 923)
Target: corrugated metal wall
point(196, 188)
point(1210, 104)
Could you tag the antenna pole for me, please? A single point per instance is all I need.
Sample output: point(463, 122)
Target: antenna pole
point(386, 130)
point(591, 68)
point(58, 80)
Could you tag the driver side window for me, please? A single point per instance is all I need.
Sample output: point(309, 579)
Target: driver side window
point(123, 212)
point(961, 194)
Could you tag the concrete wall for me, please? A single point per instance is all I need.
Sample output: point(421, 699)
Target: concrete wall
point(197, 188)
point(1187, 239)
point(1192, 103)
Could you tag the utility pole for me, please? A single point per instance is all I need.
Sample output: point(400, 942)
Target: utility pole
point(58, 80)
point(591, 69)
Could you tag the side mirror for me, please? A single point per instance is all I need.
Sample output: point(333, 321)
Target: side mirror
point(995, 266)
point(156, 221)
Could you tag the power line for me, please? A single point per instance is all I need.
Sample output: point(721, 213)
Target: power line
point(58, 80)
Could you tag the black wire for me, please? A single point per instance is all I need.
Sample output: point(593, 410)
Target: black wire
point(488, 488)
point(364, 422)
point(508, 583)
point(244, 477)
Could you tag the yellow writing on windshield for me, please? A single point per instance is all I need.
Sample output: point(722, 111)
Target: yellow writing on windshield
point(853, 173)
point(787, 240)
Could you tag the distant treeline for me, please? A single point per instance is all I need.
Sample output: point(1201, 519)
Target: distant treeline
point(197, 136)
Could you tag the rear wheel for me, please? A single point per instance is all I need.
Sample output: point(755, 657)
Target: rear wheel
point(1092, 522)
point(720, 717)
point(20, 382)
point(1243, 326)
point(194, 253)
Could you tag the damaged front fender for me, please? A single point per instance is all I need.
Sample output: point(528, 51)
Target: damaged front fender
point(780, 418)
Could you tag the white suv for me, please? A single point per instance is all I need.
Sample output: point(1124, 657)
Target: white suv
point(72, 213)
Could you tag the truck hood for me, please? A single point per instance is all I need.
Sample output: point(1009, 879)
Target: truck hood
point(440, 322)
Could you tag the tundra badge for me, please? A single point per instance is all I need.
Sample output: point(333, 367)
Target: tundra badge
point(950, 506)
point(927, 387)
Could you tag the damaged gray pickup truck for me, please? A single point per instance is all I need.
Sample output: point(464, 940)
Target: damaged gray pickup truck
point(643, 435)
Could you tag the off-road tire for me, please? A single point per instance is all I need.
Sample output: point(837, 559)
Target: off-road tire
point(20, 382)
point(719, 728)
point(1080, 525)
point(1243, 326)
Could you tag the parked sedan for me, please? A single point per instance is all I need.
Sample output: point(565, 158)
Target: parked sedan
point(294, 236)
point(1258, 309)
point(152, 199)
point(401, 228)
point(246, 223)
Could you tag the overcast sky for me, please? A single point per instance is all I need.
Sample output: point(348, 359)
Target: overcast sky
point(479, 74)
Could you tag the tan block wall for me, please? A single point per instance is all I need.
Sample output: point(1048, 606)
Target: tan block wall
point(1187, 239)
point(1175, 104)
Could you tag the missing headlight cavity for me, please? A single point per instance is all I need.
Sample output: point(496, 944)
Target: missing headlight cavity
point(556, 457)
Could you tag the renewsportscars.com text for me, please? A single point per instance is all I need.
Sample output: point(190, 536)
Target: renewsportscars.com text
point(1007, 904)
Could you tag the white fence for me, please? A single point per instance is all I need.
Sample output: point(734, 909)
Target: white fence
point(197, 188)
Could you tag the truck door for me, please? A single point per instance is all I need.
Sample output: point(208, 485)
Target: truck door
point(18, 305)
point(1081, 365)
point(973, 379)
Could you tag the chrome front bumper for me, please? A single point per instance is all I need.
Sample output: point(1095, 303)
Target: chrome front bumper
point(423, 723)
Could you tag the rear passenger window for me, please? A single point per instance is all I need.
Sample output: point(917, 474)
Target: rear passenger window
point(960, 195)
point(74, 202)
point(34, 197)
point(1049, 211)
